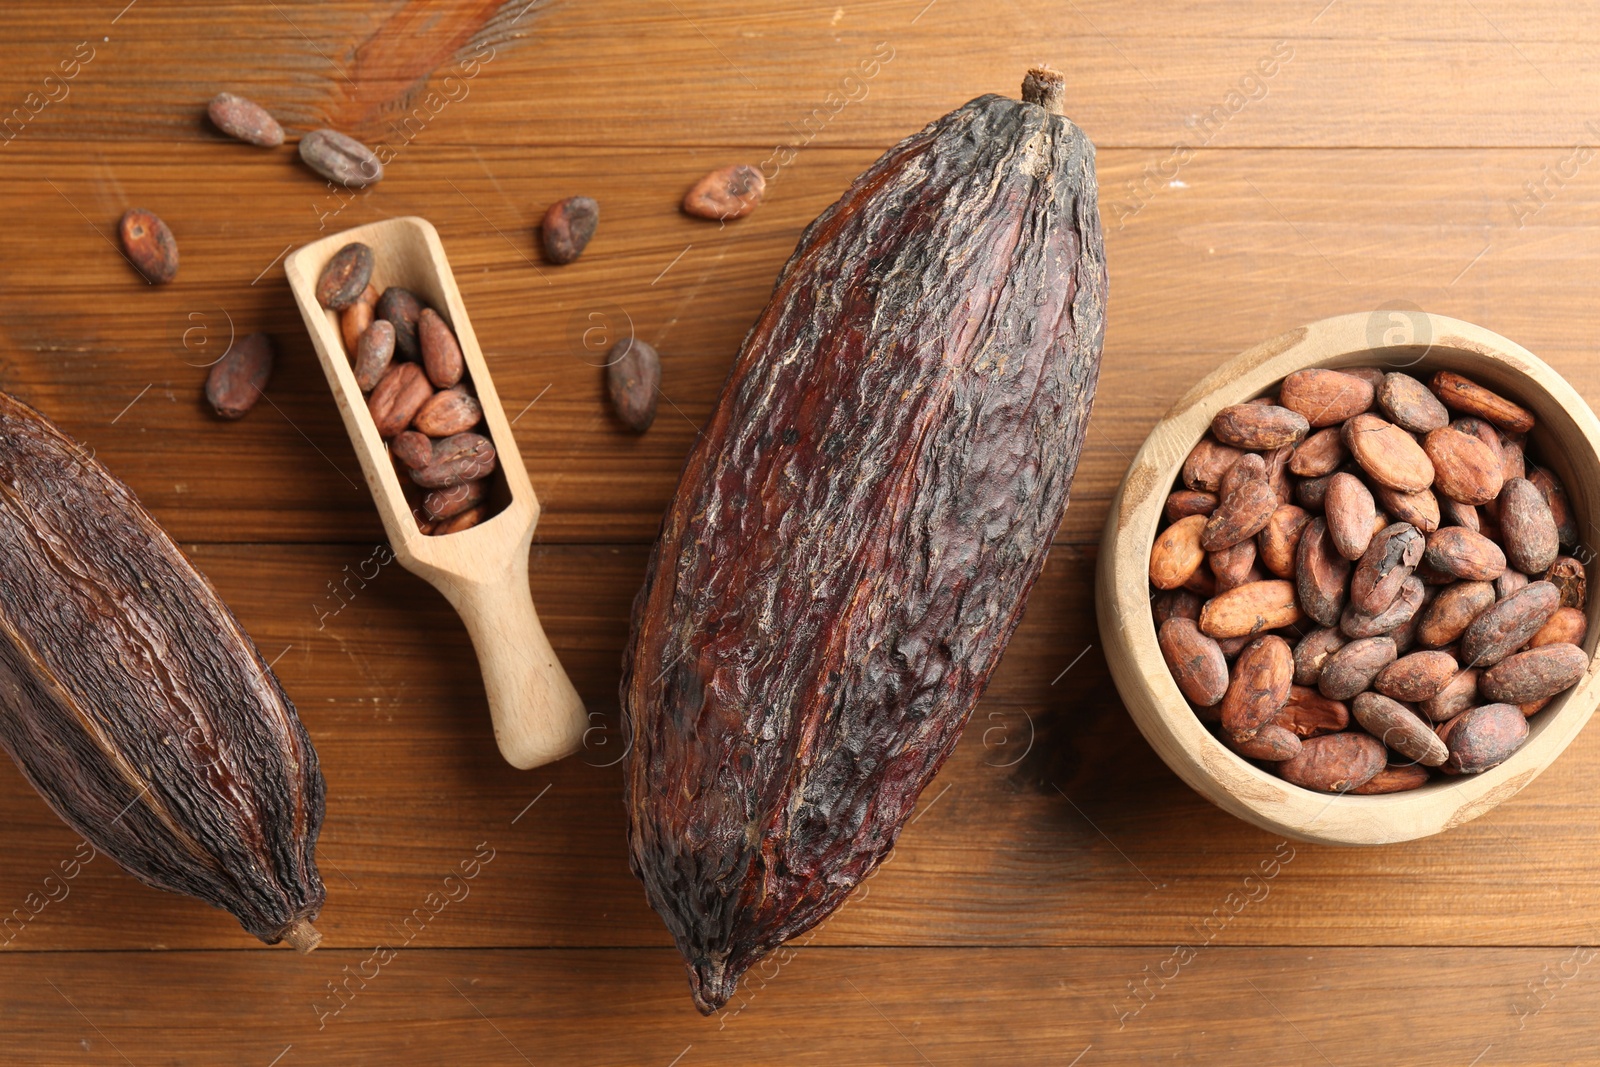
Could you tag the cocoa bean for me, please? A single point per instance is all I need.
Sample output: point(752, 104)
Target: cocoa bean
point(1313, 651)
point(1555, 495)
point(568, 224)
point(1334, 763)
point(1565, 626)
point(1458, 551)
point(1420, 509)
point(730, 192)
point(401, 309)
point(449, 411)
point(1319, 454)
point(466, 520)
point(1527, 528)
point(1259, 687)
point(633, 382)
point(1384, 567)
point(1246, 503)
point(462, 457)
point(1207, 462)
point(1452, 611)
point(354, 320)
point(1455, 513)
point(1397, 779)
point(1322, 574)
point(1271, 743)
point(1464, 467)
point(1307, 713)
point(244, 120)
point(1484, 737)
point(1195, 660)
point(345, 277)
point(1507, 625)
point(1279, 539)
point(1389, 455)
point(1235, 565)
point(1278, 474)
point(1356, 623)
point(1513, 458)
point(1312, 493)
point(1535, 674)
point(448, 503)
point(1175, 604)
point(340, 158)
point(149, 245)
point(395, 400)
point(237, 380)
point(1410, 405)
point(1325, 397)
point(1350, 512)
point(1184, 502)
point(1419, 676)
point(1458, 694)
point(441, 353)
point(1399, 728)
point(1568, 576)
point(1352, 668)
point(1470, 398)
point(1250, 609)
point(412, 448)
point(374, 354)
point(1259, 427)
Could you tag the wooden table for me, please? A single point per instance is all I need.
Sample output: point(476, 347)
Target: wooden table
point(1060, 897)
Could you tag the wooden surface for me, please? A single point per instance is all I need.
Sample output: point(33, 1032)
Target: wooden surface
point(1031, 912)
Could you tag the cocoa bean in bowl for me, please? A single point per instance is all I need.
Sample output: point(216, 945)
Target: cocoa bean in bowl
point(1343, 589)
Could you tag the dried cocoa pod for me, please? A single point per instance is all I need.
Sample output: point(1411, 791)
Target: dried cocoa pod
point(1506, 626)
point(1399, 728)
point(1527, 527)
point(1457, 551)
point(1246, 503)
point(1484, 737)
point(1207, 462)
point(1555, 495)
point(340, 158)
point(1420, 509)
point(1568, 576)
point(1566, 626)
point(1307, 713)
point(1182, 503)
point(448, 503)
point(374, 354)
point(1319, 454)
point(1271, 743)
point(1235, 565)
point(1397, 779)
point(1352, 668)
point(398, 397)
point(1250, 609)
point(412, 448)
point(136, 705)
point(1355, 623)
point(1535, 674)
point(236, 381)
point(1390, 456)
point(1334, 763)
point(1385, 566)
point(1351, 513)
point(1195, 661)
point(441, 353)
point(401, 309)
point(345, 277)
point(1258, 427)
point(1409, 404)
point(771, 768)
point(567, 227)
point(244, 120)
point(730, 192)
point(1259, 687)
point(1452, 611)
point(1279, 539)
point(149, 245)
point(1325, 397)
point(1313, 651)
point(447, 412)
point(1458, 694)
point(633, 382)
point(1470, 398)
point(1175, 604)
point(1322, 575)
point(1464, 468)
point(462, 457)
point(1419, 676)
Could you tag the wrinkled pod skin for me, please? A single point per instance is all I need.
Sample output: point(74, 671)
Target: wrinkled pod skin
point(135, 704)
point(856, 530)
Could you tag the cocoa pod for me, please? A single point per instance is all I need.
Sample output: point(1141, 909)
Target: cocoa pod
point(1334, 763)
point(340, 158)
point(1307, 713)
point(1258, 427)
point(236, 381)
point(136, 705)
point(1319, 454)
point(1279, 539)
point(1313, 651)
point(1458, 694)
point(1399, 728)
point(1555, 495)
point(1325, 397)
point(1249, 609)
point(1195, 661)
point(401, 309)
point(441, 352)
point(1207, 462)
point(1506, 626)
point(730, 192)
point(1182, 503)
point(1420, 509)
point(1351, 512)
point(1452, 611)
point(149, 245)
point(633, 382)
point(345, 277)
point(567, 227)
point(447, 412)
point(1565, 626)
point(1396, 779)
point(754, 808)
point(448, 503)
point(1390, 456)
point(1410, 405)
point(1568, 576)
point(1352, 668)
point(412, 448)
point(1235, 565)
point(1464, 468)
point(1259, 687)
point(1527, 528)
point(1384, 567)
point(1484, 737)
point(244, 120)
point(1470, 398)
point(1175, 604)
point(397, 398)
point(1535, 674)
point(1457, 551)
point(462, 457)
point(1356, 623)
point(1419, 676)
point(1322, 575)
point(374, 354)
point(1271, 743)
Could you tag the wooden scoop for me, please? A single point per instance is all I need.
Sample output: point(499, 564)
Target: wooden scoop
point(483, 571)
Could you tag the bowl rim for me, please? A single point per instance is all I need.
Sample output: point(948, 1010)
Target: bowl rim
point(1127, 627)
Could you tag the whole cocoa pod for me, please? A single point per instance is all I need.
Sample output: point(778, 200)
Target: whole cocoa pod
point(773, 765)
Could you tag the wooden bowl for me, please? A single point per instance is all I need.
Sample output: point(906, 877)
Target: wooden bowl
point(1566, 439)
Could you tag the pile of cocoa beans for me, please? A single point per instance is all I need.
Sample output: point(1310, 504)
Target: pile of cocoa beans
point(408, 363)
point(1355, 589)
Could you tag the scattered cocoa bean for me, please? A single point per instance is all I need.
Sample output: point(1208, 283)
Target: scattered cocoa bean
point(633, 381)
point(149, 245)
point(1565, 626)
point(568, 224)
point(466, 520)
point(1458, 694)
point(237, 380)
point(244, 120)
point(354, 320)
point(1396, 779)
point(413, 449)
point(340, 158)
point(1235, 565)
point(1420, 509)
point(730, 192)
point(1384, 567)
point(1323, 575)
point(1279, 539)
point(1356, 623)
point(1555, 495)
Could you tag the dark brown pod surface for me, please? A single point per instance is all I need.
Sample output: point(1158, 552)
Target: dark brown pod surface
point(568, 224)
point(633, 382)
point(244, 120)
point(345, 278)
point(837, 575)
point(730, 192)
point(401, 308)
point(236, 381)
point(149, 245)
point(135, 704)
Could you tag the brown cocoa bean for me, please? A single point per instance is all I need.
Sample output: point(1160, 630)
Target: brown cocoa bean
point(466, 520)
point(633, 382)
point(1356, 623)
point(1513, 458)
point(1185, 502)
point(1420, 509)
point(1271, 743)
point(1278, 474)
point(1334, 763)
point(1419, 676)
point(1555, 495)
point(1312, 493)
point(1384, 567)
point(1464, 467)
point(1259, 687)
point(244, 120)
point(1565, 626)
point(149, 245)
point(1319, 454)
point(1322, 575)
point(237, 380)
point(1527, 528)
point(1410, 405)
point(1313, 651)
point(1452, 611)
point(1509, 583)
point(568, 224)
point(441, 352)
point(1535, 674)
point(1351, 513)
point(1568, 576)
point(1373, 376)
point(1458, 551)
point(1235, 565)
point(462, 457)
point(397, 397)
point(448, 503)
point(1206, 463)
point(1399, 728)
point(1245, 504)
point(730, 192)
point(1506, 626)
point(1280, 538)
point(1259, 427)
point(1250, 609)
point(412, 448)
point(401, 309)
point(1195, 660)
point(1458, 694)
point(345, 277)
point(1397, 779)
point(1351, 669)
point(340, 158)
point(449, 411)
point(1390, 456)
point(1455, 513)
point(1175, 604)
point(354, 320)
point(1484, 737)
point(1201, 582)
point(1325, 397)
point(374, 354)
point(1307, 713)
point(1470, 398)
